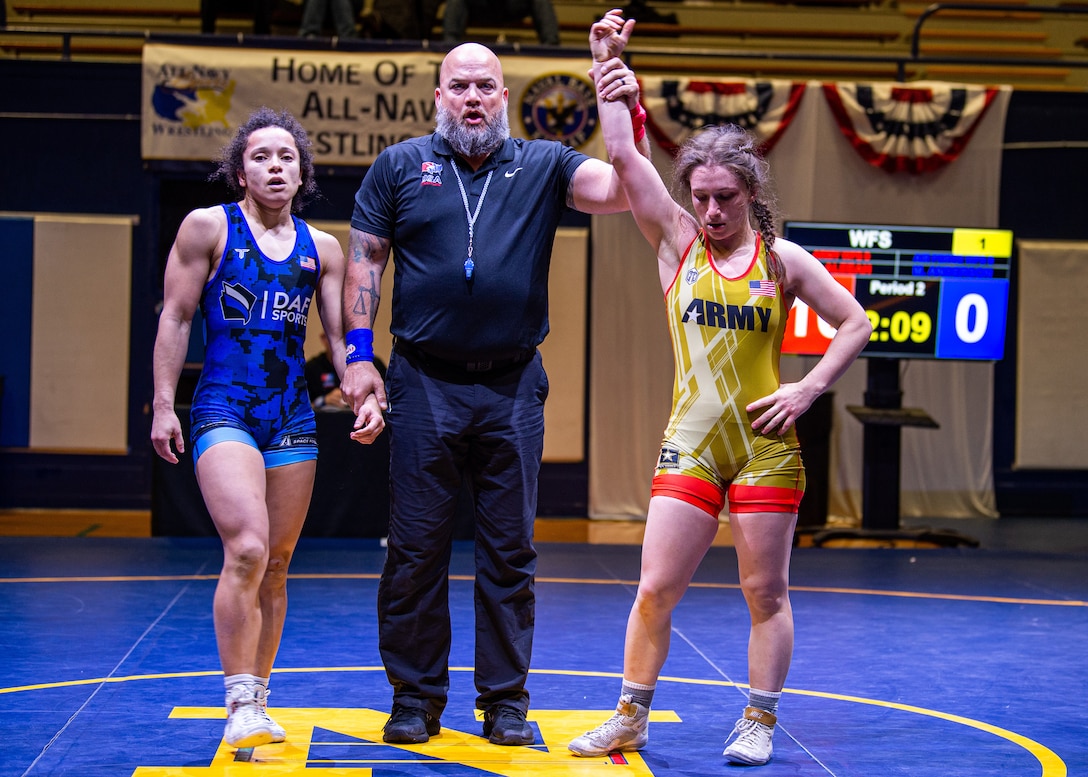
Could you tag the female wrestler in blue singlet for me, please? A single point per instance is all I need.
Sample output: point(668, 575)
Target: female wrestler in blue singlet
point(253, 386)
point(254, 269)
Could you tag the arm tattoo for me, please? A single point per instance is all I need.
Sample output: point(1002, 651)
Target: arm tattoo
point(366, 302)
point(363, 246)
point(368, 250)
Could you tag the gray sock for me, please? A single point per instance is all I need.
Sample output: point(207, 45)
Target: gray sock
point(640, 694)
point(764, 700)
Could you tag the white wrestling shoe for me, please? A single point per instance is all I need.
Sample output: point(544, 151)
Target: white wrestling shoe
point(278, 733)
point(752, 745)
point(247, 725)
point(627, 730)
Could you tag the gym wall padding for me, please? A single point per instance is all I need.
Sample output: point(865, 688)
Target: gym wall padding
point(1052, 377)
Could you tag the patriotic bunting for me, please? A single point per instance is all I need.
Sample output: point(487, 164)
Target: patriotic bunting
point(916, 128)
point(677, 108)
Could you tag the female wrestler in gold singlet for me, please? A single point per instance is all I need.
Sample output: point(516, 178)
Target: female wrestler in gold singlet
point(728, 285)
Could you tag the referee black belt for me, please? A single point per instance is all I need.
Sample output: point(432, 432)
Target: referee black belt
point(429, 360)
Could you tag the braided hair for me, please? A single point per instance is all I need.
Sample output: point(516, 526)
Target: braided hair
point(732, 147)
point(232, 157)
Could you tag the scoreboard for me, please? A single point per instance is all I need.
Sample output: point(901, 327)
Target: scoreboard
point(929, 292)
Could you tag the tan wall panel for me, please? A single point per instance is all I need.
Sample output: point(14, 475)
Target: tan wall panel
point(564, 349)
point(1051, 373)
point(82, 301)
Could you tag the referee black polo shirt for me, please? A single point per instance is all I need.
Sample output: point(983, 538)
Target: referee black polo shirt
point(410, 195)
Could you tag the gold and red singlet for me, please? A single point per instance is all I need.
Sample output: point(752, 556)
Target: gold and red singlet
point(727, 340)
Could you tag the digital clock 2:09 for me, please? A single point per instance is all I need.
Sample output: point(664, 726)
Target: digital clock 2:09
point(901, 327)
point(903, 315)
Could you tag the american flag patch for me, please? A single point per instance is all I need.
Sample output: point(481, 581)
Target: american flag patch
point(761, 288)
point(307, 263)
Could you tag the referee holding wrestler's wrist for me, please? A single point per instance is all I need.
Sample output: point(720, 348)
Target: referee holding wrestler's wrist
point(469, 215)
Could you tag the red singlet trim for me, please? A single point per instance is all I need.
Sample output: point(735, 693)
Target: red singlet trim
point(764, 499)
point(695, 491)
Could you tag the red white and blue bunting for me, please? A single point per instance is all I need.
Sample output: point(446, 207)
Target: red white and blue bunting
point(916, 128)
point(677, 108)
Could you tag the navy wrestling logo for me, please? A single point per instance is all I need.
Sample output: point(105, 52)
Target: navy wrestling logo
point(559, 107)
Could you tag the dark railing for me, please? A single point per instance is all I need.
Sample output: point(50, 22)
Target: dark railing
point(1011, 12)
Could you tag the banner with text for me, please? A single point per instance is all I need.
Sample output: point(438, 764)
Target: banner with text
point(352, 104)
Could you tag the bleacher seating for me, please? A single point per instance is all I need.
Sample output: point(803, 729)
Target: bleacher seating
point(719, 34)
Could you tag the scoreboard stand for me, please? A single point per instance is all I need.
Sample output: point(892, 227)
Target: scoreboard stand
point(884, 417)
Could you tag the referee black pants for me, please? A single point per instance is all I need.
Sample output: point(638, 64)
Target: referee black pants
point(445, 423)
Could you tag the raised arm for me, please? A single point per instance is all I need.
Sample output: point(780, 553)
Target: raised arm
point(609, 35)
point(595, 187)
point(608, 38)
point(199, 242)
point(666, 226)
point(366, 261)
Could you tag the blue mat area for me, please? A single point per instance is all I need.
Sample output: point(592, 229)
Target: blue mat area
point(960, 661)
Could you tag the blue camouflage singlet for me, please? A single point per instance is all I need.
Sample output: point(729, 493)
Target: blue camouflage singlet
point(255, 312)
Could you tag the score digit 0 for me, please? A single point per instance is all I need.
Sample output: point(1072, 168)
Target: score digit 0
point(967, 331)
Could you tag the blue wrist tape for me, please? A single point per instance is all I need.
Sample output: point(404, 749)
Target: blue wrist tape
point(360, 345)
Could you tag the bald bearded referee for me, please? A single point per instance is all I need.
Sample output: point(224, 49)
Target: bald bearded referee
point(470, 215)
